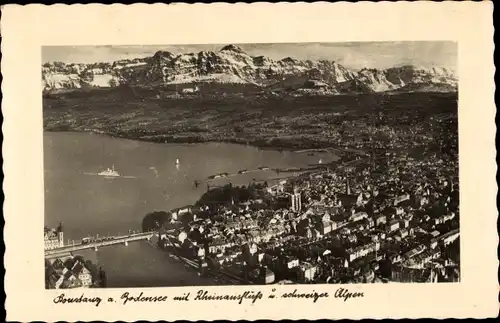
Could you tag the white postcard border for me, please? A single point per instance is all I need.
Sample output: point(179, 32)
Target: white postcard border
point(26, 28)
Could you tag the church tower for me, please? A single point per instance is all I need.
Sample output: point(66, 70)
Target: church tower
point(296, 199)
point(60, 234)
point(348, 186)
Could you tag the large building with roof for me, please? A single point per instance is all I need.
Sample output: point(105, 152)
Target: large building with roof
point(53, 238)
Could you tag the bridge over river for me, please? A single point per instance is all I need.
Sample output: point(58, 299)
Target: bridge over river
point(125, 239)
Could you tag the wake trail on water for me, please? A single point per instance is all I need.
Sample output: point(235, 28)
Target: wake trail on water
point(96, 174)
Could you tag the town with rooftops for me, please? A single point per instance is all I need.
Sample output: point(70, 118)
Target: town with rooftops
point(227, 167)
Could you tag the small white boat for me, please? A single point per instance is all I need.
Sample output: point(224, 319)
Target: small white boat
point(177, 162)
point(320, 161)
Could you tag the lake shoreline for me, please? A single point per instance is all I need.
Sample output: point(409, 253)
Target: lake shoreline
point(322, 147)
point(312, 167)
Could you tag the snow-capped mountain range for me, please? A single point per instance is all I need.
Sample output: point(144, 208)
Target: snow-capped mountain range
point(231, 65)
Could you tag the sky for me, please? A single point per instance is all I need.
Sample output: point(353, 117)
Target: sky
point(355, 55)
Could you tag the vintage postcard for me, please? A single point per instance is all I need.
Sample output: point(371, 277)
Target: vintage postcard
point(333, 160)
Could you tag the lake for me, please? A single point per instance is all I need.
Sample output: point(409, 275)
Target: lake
point(90, 205)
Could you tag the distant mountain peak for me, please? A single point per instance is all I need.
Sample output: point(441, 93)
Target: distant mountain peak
point(289, 60)
point(163, 53)
point(232, 48)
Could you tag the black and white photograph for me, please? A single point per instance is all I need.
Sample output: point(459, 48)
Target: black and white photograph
point(250, 164)
point(251, 161)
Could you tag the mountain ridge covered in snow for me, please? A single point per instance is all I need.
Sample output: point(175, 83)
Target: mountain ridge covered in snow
point(232, 65)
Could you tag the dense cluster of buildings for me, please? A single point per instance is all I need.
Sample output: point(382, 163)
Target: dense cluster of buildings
point(385, 214)
point(72, 272)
